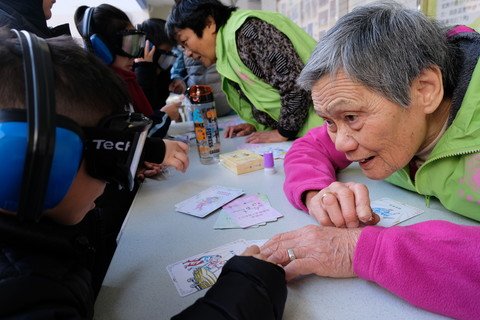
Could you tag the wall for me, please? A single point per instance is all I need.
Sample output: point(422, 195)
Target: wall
point(63, 11)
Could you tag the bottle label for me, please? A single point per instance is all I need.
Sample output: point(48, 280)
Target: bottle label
point(206, 129)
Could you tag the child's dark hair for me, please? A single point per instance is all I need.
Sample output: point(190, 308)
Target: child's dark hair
point(107, 21)
point(86, 90)
point(155, 31)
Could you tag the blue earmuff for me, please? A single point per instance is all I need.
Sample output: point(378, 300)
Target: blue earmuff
point(94, 42)
point(100, 49)
point(43, 150)
point(65, 163)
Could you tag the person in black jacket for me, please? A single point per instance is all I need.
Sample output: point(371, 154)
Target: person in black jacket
point(47, 262)
point(154, 76)
point(30, 15)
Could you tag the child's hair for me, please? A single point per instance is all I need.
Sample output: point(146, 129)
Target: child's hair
point(107, 21)
point(86, 90)
point(155, 31)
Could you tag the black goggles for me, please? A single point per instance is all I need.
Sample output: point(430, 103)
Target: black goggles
point(113, 150)
point(166, 59)
point(131, 43)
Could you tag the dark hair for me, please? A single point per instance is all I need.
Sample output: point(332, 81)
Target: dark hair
point(154, 30)
point(192, 14)
point(107, 21)
point(81, 80)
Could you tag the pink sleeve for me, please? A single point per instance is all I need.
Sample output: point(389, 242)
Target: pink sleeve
point(311, 164)
point(434, 265)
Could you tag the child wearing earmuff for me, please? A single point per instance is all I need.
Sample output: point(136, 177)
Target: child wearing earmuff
point(110, 34)
point(63, 135)
point(153, 73)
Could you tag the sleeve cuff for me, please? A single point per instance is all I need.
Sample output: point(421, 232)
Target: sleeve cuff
point(289, 134)
point(365, 256)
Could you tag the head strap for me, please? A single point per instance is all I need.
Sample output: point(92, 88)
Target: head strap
point(40, 101)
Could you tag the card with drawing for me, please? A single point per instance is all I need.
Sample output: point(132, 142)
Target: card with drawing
point(201, 271)
point(207, 201)
point(392, 212)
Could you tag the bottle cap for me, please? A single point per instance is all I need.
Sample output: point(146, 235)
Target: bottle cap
point(268, 161)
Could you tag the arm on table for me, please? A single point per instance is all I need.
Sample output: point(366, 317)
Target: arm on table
point(433, 265)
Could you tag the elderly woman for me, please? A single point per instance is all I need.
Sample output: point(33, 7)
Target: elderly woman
point(259, 56)
point(399, 95)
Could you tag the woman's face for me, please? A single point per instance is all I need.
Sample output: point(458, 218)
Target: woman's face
point(203, 48)
point(47, 8)
point(371, 130)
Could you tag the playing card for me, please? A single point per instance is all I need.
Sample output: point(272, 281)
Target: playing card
point(392, 212)
point(201, 271)
point(207, 201)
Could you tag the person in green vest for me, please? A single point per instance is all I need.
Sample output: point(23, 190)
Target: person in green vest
point(259, 55)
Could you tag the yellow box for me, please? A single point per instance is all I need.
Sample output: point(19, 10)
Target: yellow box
point(242, 161)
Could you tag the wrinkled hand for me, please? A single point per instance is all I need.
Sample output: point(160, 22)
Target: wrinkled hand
point(341, 205)
point(177, 86)
point(147, 53)
point(149, 169)
point(324, 251)
point(176, 155)
point(239, 130)
point(266, 137)
point(171, 110)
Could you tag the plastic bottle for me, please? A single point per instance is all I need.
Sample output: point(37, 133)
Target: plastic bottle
point(205, 123)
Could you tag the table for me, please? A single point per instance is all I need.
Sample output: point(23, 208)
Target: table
point(137, 285)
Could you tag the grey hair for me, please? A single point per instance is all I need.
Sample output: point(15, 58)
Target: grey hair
point(383, 46)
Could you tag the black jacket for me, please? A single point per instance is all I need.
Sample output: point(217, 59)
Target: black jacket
point(28, 15)
point(44, 271)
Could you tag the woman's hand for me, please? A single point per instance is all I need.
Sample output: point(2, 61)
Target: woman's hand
point(266, 137)
point(239, 130)
point(324, 251)
point(341, 205)
point(177, 86)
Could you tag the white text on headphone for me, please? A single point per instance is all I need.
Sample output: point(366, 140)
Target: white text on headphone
point(110, 145)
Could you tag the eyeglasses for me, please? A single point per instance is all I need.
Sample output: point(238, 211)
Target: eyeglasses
point(166, 59)
point(132, 43)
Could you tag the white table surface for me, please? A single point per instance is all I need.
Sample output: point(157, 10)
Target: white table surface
point(137, 285)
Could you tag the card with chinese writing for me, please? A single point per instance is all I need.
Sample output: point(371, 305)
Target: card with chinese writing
point(224, 221)
point(392, 212)
point(250, 210)
point(201, 271)
point(207, 201)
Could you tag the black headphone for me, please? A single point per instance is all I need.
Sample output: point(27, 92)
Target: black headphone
point(45, 149)
point(93, 42)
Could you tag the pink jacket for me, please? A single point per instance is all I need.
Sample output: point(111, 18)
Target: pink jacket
point(434, 265)
point(311, 164)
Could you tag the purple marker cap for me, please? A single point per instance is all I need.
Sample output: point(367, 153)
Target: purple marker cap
point(268, 161)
